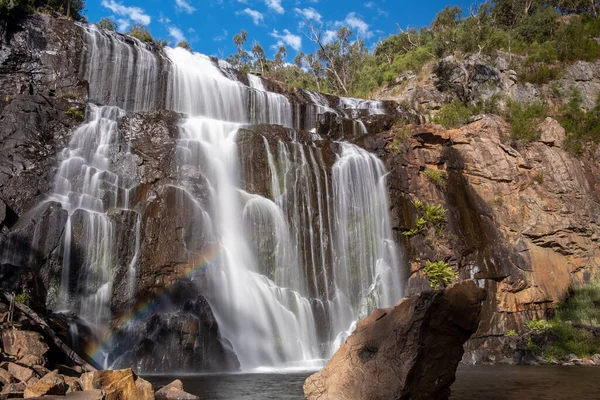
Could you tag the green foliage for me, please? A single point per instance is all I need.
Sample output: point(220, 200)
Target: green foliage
point(573, 42)
point(439, 274)
point(524, 120)
point(22, 298)
point(108, 24)
point(511, 333)
point(538, 325)
point(75, 113)
point(184, 45)
point(13, 10)
point(453, 115)
point(428, 216)
point(581, 126)
point(140, 32)
point(436, 176)
point(400, 133)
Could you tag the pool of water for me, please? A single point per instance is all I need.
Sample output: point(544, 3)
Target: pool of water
point(497, 382)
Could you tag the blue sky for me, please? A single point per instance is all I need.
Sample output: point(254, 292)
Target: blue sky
point(209, 25)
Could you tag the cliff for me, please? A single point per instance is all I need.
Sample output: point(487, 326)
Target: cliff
point(522, 221)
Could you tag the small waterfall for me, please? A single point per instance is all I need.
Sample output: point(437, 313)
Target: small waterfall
point(87, 189)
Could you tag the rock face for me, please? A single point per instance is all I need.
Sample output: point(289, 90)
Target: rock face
point(410, 351)
point(522, 221)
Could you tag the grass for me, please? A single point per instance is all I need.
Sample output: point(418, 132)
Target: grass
point(561, 336)
point(400, 134)
point(22, 298)
point(439, 274)
point(436, 176)
point(524, 120)
point(511, 333)
point(75, 113)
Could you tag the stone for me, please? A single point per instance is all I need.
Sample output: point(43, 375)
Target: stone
point(12, 391)
point(73, 384)
point(144, 390)
point(174, 391)
point(553, 134)
point(20, 373)
point(50, 384)
point(20, 344)
point(5, 377)
point(115, 384)
point(85, 395)
point(31, 360)
point(411, 351)
point(596, 359)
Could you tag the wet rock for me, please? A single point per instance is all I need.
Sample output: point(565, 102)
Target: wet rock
point(23, 344)
point(411, 351)
point(174, 391)
point(50, 384)
point(20, 373)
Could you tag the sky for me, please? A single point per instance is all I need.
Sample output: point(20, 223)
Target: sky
point(209, 25)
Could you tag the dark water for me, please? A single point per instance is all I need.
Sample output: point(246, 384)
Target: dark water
point(472, 383)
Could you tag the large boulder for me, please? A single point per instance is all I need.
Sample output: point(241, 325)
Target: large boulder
point(50, 384)
point(117, 384)
point(24, 344)
point(174, 391)
point(411, 350)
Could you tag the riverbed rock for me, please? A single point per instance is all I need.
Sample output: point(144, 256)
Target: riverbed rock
point(20, 373)
point(114, 384)
point(174, 391)
point(12, 391)
point(410, 351)
point(50, 384)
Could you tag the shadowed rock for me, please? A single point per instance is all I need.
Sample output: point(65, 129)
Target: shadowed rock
point(410, 351)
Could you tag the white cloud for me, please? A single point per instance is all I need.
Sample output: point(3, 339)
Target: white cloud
point(329, 36)
point(275, 5)
point(256, 16)
point(176, 34)
point(184, 6)
point(308, 13)
point(288, 38)
point(370, 4)
point(134, 14)
point(358, 25)
point(222, 37)
point(124, 24)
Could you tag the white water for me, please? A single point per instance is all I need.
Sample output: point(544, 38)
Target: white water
point(297, 267)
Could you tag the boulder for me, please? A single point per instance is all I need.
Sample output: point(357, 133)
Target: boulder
point(144, 389)
point(174, 391)
point(20, 373)
point(411, 351)
point(117, 384)
point(85, 395)
point(73, 384)
point(596, 359)
point(12, 391)
point(50, 384)
point(5, 377)
point(24, 343)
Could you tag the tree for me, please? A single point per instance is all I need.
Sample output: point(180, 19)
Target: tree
point(260, 58)
point(240, 60)
point(108, 24)
point(71, 8)
point(140, 32)
point(279, 59)
point(184, 45)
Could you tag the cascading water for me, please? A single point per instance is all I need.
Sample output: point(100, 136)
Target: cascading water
point(299, 264)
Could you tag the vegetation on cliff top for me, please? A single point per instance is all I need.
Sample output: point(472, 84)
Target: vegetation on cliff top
point(545, 34)
point(12, 10)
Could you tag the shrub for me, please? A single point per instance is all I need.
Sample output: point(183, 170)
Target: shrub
point(453, 115)
point(22, 298)
point(140, 32)
point(439, 274)
point(538, 325)
point(184, 45)
point(511, 333)
point(524, 120)
point(108, 24)
point(400, 133)
point(75, 113)
point(436, 176)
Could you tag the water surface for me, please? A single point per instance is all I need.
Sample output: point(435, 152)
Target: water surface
point(497, 382)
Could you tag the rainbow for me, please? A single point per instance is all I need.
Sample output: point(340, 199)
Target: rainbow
point(146, 306)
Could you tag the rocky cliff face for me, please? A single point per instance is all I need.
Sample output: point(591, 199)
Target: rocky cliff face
point(522, 222)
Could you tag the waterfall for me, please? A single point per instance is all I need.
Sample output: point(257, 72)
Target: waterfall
point(299, 262)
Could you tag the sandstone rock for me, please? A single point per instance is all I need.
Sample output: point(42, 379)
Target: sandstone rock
point(13, 391)
point(19, 343)
point(410, 351)
point(174, 391)
point(86, 395)
point(117, 384)
point(5, 377)
point(20, 373)
point(50, 384)
point(31, 360)
point(144, 390)
point(553, 134)
point(73, 384)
